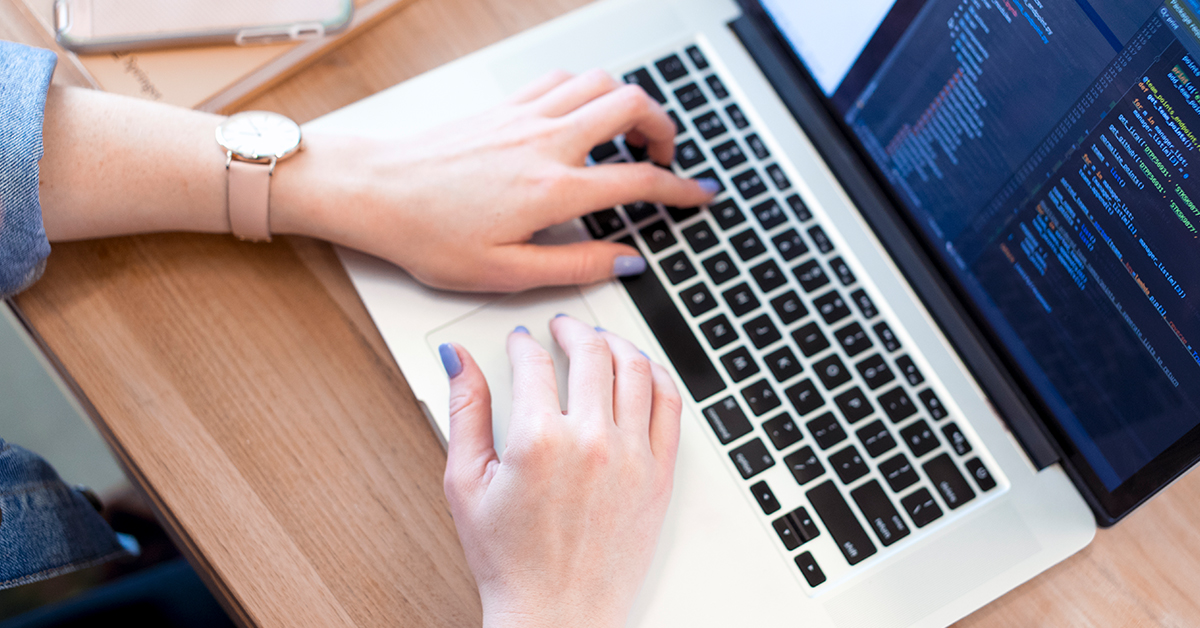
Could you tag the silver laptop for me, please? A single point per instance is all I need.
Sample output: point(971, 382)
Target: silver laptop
point(933, 330)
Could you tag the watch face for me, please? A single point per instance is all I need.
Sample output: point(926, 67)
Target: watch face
point(259, 135)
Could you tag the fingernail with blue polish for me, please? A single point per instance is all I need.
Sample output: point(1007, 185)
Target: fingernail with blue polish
point(629, 265)
point(643, 354)
point(450, 360)
point(521, 329)
point(600, 329)
point(559, 315)
point(712, 186)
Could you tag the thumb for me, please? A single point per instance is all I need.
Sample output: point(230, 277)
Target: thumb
point(470, 449)
point(532, 265)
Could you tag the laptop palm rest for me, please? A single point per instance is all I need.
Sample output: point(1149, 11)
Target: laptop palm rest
point(484, 332)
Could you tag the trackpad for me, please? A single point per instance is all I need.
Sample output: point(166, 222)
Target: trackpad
point(484, 333)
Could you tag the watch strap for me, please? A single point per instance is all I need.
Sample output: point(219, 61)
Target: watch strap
point(249, 200)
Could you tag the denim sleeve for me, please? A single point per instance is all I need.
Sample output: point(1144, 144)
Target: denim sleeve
point(24, 78)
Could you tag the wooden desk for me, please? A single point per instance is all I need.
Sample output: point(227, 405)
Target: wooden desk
point(248, 393)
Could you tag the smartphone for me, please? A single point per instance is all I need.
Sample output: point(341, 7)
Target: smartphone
point(96, 26)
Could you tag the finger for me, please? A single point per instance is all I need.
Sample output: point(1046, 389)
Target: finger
point(470, 448)
point(518, 267)
point(664, 416)
point(621, 184)
point(623, 110)
point(540, 86)
point(633, 388)
point(535, 389)
point(590, 378)
point(574, 93)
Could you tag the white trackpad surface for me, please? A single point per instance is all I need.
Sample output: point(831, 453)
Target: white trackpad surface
point(484, 333)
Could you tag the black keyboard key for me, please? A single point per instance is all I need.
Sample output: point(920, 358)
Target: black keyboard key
point(933, 405)
point(700, 237)
point(658, 236)
point(638, 153)
point(640, 210)
point(749, 184)
point(709, 125)
point(727, 214)
point(805, 397)
point(876, 439)
point(782, 431)
point(810, 340)
point(671, 68)
point(832, 371)
point(688, 154)
point(919, 438)
point(757, 146)
point(875, 371)
point(751, 459)
point(804, 465)
point(727, 420)
point(718, 331)
point(678, 268)
point(948, 481)
point(809, 567)
point(881, 515)
point(740, 364)
point(717, 87)
point(747, 245)
point(810, 275)
point(765, 498)
point(790, 245)
point(921, 508)
point(864, 303)
point(679, 128)
point(853, 339)
point(789, 307)
point(909, 370)
point(783, 364)
point(741, 299)
point(761, 331)
point(769, 214)
point(848, 464)
point(843, 526)
point(799, 208)
point(778, 177)
point(680, 214)
point(697, 57)
point(603, 223)
point(690, 96)
point(832, 307)
point(604, 151)
point(729, 155)
point(826, 430)
point(642, 77)
point(768, 276)
point(897, 405)
point(760, 397)
point(889, 340)
point(898, 472)
point(720, 268)
point(689, 357)
point(842, 271)
point(983, 477)
point(710, 174)
point(735, 114)
point(958, 441)
point(854, 405)
point(698, 299)
point(786, 529)
point(820, 240)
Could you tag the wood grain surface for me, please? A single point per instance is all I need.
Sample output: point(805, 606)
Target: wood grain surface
point(248, 394)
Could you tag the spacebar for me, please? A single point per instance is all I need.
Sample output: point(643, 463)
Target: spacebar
point(673, 334)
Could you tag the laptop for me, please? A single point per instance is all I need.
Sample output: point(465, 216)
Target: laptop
point(935, 329)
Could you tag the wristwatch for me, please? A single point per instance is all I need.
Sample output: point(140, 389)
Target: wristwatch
point(254, 141)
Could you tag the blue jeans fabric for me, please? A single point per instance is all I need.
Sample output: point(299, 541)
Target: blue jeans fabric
point(24, 78)
point(46, 528)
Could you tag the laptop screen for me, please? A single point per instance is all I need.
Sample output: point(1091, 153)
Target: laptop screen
point(1046, 148)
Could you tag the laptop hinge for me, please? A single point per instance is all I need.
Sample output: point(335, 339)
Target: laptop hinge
point(801, 97)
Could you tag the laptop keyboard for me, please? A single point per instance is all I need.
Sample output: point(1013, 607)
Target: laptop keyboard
point(834, 424)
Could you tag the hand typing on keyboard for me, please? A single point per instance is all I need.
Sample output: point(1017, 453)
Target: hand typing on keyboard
point(561, 532)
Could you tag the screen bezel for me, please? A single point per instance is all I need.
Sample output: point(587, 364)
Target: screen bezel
point(1109, 506)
